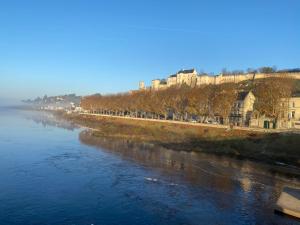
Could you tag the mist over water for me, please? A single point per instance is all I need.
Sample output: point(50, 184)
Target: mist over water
point(6, 102)
point(53, 172)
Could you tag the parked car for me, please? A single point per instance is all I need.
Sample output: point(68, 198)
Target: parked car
point(211, 122)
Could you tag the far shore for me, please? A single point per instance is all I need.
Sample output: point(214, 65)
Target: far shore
point(281, 149)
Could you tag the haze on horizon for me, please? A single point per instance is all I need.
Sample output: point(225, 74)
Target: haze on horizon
point(84, 47)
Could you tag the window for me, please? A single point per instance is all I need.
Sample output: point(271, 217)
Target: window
point(293, 114)
point(294, 105)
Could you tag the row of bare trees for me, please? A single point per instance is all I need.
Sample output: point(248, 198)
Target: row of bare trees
point(183, 102)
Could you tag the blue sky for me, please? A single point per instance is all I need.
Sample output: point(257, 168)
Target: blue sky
point(94, 46)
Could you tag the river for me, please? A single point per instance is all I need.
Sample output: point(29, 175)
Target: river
point(52, 172)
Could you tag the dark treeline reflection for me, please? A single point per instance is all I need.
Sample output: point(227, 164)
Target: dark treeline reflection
point(204, 170)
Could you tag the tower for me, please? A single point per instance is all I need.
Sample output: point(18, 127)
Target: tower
point(142, 85)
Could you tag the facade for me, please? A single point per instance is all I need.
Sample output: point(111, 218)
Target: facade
point(142, 85)
point(158, 84)
point(294, 111)
point(290, 118)
point(172, 80)
point(243, 113)
point(242, 109)
point(155, 84)
point(188, 77)
point(192, 78)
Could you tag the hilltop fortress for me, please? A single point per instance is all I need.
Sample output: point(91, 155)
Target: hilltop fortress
point(192, 78)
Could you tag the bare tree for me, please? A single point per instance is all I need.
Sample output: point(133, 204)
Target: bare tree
point(272, 97)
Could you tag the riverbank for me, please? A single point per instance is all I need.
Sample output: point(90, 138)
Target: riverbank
point(273, 148)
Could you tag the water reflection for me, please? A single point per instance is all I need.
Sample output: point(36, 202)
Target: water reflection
point(49, 119)
point(232, 185)
point(49, 177)
point(190, 163)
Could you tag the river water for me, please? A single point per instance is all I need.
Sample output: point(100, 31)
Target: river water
point(52, 172)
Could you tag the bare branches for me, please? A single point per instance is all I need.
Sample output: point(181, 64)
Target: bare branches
point(272, 96)
point(184, 102)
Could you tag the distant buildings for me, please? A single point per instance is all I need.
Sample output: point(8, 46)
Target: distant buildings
point(56, 103)
point(191, 78)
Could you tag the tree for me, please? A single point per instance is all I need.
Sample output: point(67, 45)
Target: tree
point(223, 99)
point(267, 69)
point(272, 97)
point(251, 70)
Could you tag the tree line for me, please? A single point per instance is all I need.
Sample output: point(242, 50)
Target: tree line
point(203, 102)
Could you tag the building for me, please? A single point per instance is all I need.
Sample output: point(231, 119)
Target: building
point(242, 109)
point(289, 118)
point(142, 85)
point(191, 78)
point(158, 84)
point(172, 80)
point(244, 114)
point(188, 77)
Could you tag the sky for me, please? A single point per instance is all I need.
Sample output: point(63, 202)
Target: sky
point(94, 46)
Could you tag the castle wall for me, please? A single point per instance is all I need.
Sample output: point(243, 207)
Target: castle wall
point(193, 79)
point(155, 84)
point(171, 81)
point(205, 79)
point(186, 78)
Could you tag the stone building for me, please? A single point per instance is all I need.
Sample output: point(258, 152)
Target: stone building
point(172, 80)
point(155, 84)
point(191, 78)
point(242, 109)
point(142, 85)
point(294, 111)
point(289, 117)
point(188, 77)
point(158, 84)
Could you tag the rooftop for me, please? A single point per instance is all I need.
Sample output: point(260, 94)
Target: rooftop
point(187, 71)
point(163, 81)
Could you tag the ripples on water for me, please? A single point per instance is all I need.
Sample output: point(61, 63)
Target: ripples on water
point(53, 173)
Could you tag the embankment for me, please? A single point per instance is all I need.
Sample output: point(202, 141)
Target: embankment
point(273, 148)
